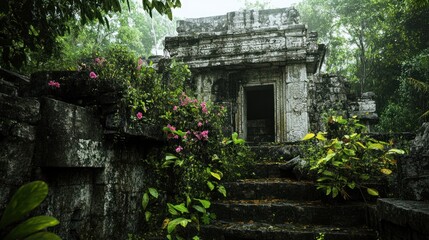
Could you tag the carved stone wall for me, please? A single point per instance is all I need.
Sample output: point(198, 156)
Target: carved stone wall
point(65, 137)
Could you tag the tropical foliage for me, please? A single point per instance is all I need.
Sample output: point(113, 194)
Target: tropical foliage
point(346, 158)
point(27, 198)
point(34, 26)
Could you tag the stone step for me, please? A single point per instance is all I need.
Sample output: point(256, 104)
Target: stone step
point(272, 188)
point(269, 170)
point(262, 231)
point(277, 211)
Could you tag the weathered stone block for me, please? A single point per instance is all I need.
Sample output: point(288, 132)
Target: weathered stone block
point(411, 216)
point(71, 136)
point(21, 109)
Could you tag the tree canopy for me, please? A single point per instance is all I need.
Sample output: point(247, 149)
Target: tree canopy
point(377, 44)
point(32, 25)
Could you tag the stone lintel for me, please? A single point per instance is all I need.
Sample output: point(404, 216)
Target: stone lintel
point(240, 20)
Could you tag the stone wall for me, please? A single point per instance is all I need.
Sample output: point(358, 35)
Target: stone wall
point(406, 217)
point(77, 139)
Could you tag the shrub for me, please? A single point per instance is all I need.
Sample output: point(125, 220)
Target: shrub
point(346, 158)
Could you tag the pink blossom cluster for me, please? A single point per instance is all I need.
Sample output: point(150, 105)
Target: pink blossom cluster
point(202, 136)
point(172, 135)
point(55, 84)
point(185, 100)
point(204, 107)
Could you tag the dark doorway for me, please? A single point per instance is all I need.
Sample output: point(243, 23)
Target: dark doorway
point(260, 113)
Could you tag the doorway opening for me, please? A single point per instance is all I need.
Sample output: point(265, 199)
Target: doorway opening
point(260, 113)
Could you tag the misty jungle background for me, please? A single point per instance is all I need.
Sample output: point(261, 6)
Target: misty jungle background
point(379, 45)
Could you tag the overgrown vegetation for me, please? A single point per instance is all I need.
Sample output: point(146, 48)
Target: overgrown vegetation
point(345, 158)
point(27, 198)
point(199, 152)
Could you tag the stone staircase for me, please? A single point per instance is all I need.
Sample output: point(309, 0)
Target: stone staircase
point(274, 205)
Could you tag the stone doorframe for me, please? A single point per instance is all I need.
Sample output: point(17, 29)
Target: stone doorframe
point(290, 104)
point(241, 115)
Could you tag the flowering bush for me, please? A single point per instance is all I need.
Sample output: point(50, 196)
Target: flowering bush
point(198, 157)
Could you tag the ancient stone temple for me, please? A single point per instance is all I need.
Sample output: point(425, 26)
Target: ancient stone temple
point(261, 64)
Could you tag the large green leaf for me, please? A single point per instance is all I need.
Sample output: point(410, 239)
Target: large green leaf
point(30, 226)
point(372, 191)
point(181, 208)
point(204, 203)
point(153, 192)
point(376, 146)
point(222, 190)
point(28, 197)
point(172, 224)
point(145, 200)
point(216, 175)
point(308, 136)
point(43, 236)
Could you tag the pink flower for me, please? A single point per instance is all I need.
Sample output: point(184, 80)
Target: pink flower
point(99, 61)
point(140, 63)
point(204, 107)
point(139, 115)
point(93, 75)
point(171, 127)
point(179, 149)
point(175, 108)
point(200, 124)
point(54, 84)
point(205, 135)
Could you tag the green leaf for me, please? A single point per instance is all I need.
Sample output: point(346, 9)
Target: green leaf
point(147, 215)
point(153, 192)
point(216, 175)
point(376, 146)
point(386, 171)
point(320, 136)
point(205, 203)
point(210, 185)
point(222, 190)
point(181, 208)
point(30, 226)
point(351, 185)
point(372, 191)
point(172, 224)
point(334, 192)
point(172, 210)
point(395, 151)
point(145, 200)
point(170, 156)
point(199, 208)
point(349, 152)
point(28, 197)
point(43, 236)
point(308, 136)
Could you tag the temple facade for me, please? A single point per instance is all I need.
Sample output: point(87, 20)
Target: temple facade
point(260, 64)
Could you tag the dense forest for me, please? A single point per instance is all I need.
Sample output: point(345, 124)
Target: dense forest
point(379, 45)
